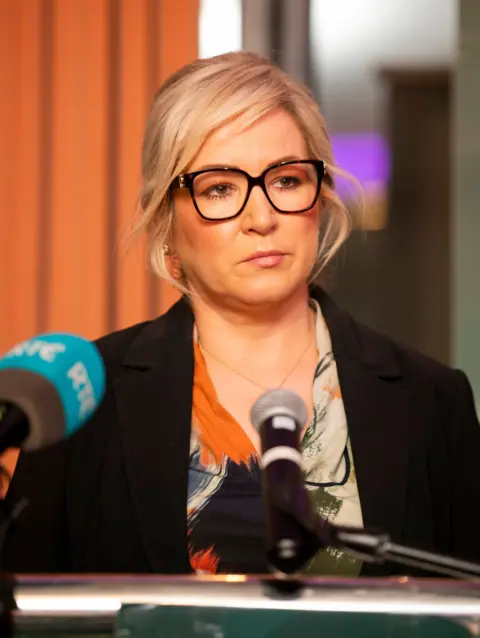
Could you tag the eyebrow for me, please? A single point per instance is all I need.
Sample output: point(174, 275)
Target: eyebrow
point(207, 167)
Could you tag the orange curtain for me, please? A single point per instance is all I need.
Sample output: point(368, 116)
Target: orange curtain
point(76, 79)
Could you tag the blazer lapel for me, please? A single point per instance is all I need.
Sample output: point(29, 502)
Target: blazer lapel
point(378, 409)
point(154, 399)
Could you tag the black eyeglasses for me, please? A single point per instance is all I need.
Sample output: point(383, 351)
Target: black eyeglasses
point(220, 193)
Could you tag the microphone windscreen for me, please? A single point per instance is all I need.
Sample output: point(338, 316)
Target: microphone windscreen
point(57, 380)
point(278, 403)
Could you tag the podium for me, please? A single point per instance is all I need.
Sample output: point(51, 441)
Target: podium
point(243, 607)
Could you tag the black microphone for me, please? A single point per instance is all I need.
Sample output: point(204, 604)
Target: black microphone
point(49, 386)
point(295, 531)
point(292, 525)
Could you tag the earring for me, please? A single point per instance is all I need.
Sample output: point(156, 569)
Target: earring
point(176, 269)
point(166, 249)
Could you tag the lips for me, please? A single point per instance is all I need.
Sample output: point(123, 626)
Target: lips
point(265, 254)
point(266, 259)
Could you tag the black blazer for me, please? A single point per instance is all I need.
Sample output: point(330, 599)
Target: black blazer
point(113, 497)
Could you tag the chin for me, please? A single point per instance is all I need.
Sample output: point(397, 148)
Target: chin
point(264, 290)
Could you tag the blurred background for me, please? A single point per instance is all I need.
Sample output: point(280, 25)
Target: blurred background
point(398, 82)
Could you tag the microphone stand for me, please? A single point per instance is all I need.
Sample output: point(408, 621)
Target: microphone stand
point(7, 606)
point(7, 581)
point(378, 548)
point(318, 533)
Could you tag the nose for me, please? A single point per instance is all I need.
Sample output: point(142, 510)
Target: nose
point(259, 216)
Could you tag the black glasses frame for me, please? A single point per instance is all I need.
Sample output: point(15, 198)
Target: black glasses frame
point(185, 180)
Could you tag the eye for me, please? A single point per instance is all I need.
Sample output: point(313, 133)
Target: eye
point(218, 191)
point(287, 181)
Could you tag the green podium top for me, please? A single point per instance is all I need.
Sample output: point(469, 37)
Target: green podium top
point(237, 607)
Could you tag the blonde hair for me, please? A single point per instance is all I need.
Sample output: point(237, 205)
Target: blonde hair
point(198, 99)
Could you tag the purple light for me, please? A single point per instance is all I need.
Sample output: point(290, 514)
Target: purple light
point(365, 156)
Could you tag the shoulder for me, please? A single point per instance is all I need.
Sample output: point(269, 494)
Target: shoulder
point(447, 386)
point(441, 399)
point(385, 356)
point(144, 343)
point(411, 362)
point(114, 345)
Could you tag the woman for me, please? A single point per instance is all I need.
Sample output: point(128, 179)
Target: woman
point(238, 201)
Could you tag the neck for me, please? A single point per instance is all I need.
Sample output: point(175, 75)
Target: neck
point(233, 335)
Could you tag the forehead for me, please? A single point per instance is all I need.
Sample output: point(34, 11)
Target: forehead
point(252, 147)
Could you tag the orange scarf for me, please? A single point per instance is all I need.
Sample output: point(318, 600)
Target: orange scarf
point(219, 433)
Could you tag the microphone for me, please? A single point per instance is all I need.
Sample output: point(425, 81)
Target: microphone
point(292, 526)
point(49, 387)
point(295, 532)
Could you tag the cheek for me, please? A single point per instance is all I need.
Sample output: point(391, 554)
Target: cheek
point(306, 233)
point(194, 237)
